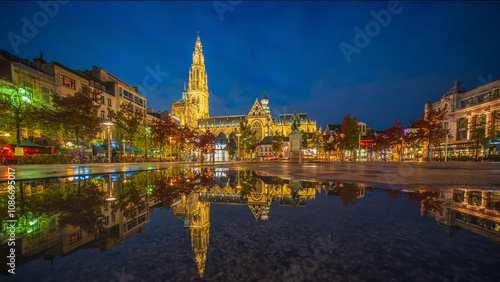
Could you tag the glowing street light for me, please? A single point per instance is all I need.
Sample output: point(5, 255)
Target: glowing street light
point(108, 124)
point(110, 198)
point(170, 145)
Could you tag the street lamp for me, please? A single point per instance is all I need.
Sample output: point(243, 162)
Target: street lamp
point(108, 124)
point(170, 147)
point(238, 134)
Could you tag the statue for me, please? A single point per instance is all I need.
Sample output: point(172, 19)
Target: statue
point(295, 122)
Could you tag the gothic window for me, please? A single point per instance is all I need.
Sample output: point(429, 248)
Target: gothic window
point(256, 124)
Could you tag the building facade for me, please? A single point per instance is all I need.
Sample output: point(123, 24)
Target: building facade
point(463, 108)
point(193, 108)
point(194, 102)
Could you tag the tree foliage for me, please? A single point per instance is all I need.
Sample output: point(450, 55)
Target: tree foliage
point(350, 132)
point(76, 115)
point(17, 108)
point(430, 128)
point(128, 122)
point(161, 131)
point(277, 143)
point(248, 139)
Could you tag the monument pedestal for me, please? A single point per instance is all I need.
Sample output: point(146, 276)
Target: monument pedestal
point(295, 146)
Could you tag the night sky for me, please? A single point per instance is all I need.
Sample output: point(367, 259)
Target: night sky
point(290, 50)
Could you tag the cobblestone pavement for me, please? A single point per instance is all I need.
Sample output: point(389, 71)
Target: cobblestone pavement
point(379, 174)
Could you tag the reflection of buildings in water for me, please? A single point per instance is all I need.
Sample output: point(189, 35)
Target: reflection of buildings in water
point(194, 209)
point(196, 216)
point(472, 210)
point(44, 237)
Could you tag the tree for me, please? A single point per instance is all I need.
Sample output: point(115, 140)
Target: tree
point(394, 135)
point(127, 121)
point(76, 115)
point(350, 132)
point(277, 143)
point(430, 128)
point(143, 141)
point(478, 132)
point(17, 109)
point(380, 143)
point(413, 141)
point(248, 140)
point(329, 147)
point(304, 143)
point(206, 144)
point(184, 138)
point(161, 131)
point(316, 142)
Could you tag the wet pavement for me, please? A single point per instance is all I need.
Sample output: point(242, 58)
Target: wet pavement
point(406, 174)
point(221, 224)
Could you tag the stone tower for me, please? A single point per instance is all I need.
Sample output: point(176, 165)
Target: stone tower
point(198, 88)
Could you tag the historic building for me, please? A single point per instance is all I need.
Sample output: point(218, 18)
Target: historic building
point(463, 108)
point(193, 110)
point(474, 210)
point(194, 102)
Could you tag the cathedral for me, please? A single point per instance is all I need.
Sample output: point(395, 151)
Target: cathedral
point(192, 108)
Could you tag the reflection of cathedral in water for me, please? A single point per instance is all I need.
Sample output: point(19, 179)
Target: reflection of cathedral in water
point(472, 210)
point(194, 209)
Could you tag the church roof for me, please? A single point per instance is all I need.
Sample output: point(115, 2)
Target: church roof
point(266, 141)
point(256, 109)
point(223, 121)
point(287, 119)
point(457, 88)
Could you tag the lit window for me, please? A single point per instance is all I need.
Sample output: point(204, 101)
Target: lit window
point(68, 82)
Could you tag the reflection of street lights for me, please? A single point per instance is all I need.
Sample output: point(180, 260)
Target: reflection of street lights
point(170, 147)
point(238, 134)
point(108, 124)
point(110, 198)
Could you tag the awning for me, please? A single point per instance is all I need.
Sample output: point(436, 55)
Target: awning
point(25, 143)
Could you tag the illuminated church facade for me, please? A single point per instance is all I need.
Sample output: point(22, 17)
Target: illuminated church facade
point(193, 108)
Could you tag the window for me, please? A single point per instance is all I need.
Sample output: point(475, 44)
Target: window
point(109, 102)
point(75, 237)
point(138, 100)
point(28, 85)
point(68, 82)
point(106, 220)
point(102, 114)
point(45, 95)
point(128, 95)
point(113, 218)
point(464, 104)
point(446, 125)
point(102, 100)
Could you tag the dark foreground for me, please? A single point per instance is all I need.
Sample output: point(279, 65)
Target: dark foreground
point(218, 224)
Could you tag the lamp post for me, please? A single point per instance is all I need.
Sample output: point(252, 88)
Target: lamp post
point(108, 124)
point(238, 134)
point(170, 145)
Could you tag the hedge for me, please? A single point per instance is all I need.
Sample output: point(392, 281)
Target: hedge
point(47, 159)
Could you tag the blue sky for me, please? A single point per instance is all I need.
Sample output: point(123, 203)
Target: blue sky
point(290, 50)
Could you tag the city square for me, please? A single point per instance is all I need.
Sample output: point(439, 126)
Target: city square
point(349, 141)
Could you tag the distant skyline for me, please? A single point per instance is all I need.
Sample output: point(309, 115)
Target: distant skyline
point(308, 57)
